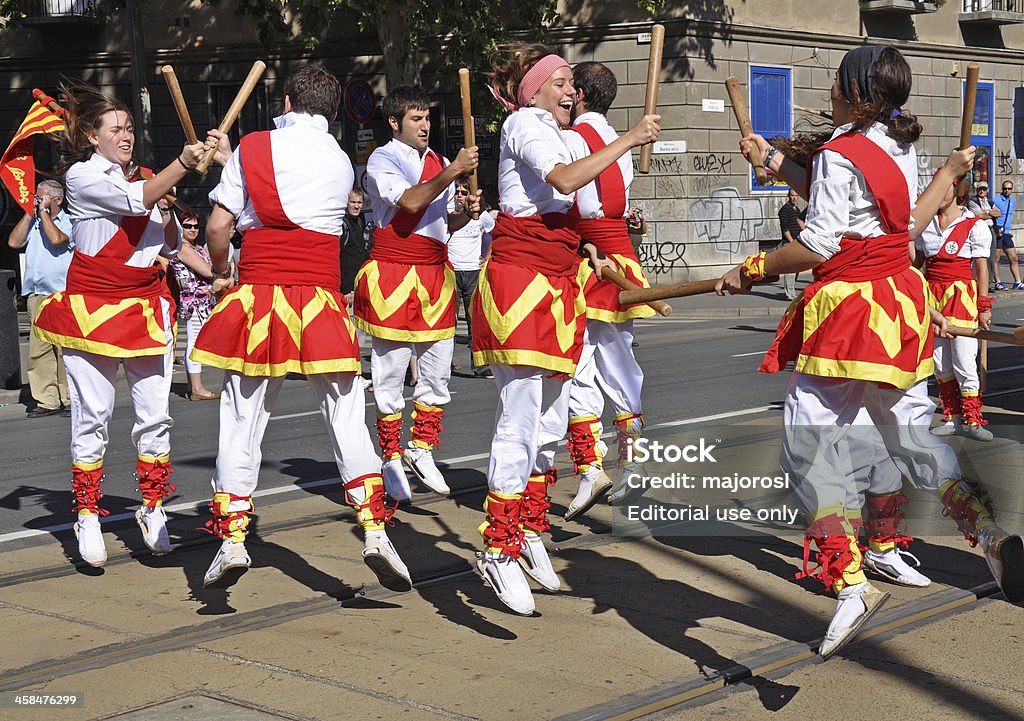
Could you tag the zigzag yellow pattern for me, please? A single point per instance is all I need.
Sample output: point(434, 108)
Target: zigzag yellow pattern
point(504, 324)
point(386, 306)
point(88, 322)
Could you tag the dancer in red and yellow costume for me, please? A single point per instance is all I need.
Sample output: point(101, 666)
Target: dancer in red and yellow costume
point(529, 312)
point(607, 365)
point(286, 191)
point(116, 309)
point(861, 335)
point(405, 292)
point(954, 250)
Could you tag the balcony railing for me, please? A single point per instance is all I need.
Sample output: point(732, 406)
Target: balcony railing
point(905, 7)
point(42, 12)
point(993, 12)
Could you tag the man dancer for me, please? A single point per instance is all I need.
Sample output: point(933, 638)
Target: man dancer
point(288, 189)
point(607, 363)
point(405, 292)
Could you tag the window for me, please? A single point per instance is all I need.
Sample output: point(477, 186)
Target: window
point(770, 110)
point(982, 133)
point(255, 114)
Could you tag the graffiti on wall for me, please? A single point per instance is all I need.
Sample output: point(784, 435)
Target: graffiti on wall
point(1006, 164)
point(712, 164)
point(726, 219)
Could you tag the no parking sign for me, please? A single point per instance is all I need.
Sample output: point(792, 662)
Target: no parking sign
point(360, 101)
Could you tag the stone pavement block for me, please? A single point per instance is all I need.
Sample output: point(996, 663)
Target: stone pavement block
point(32, 637)
point(189, 708)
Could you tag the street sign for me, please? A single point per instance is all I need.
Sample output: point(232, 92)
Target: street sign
point(360, 101)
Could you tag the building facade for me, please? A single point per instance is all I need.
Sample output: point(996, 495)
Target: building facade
point(705, 212)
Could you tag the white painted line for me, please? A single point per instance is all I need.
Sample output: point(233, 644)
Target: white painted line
point(199, 505)
point(986, 396)
point(744, 355)
point(317, 412)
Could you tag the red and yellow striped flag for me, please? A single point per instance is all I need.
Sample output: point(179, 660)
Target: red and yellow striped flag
point(17, 167)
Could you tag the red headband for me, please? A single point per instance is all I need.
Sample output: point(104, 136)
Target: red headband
point(533, 80)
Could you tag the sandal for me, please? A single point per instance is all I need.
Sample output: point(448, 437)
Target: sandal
point(209, 396)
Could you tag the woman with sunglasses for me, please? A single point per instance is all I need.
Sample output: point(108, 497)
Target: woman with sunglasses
point(195, 303)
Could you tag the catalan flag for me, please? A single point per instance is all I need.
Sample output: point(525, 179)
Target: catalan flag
point(17, 167)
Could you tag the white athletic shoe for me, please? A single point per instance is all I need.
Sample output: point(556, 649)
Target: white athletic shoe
point(949, 428)
point(421, 462)
point(90, 540)
point(228, 565)
point(382, 558)
point(976, 433)
point(1004, 554)
point(506, 578)
point(857, 603)
point(890, 565)
point(622, 492)
point(396, 484)
point(594, 485)
point(153, 523)
point(534, 560)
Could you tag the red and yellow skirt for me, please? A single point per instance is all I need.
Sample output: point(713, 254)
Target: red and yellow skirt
point(272, 330)
point(123, 328)
point(957, 300)
point(877, 330)
point(522, 317)
point(603, 296)
point(400, 302)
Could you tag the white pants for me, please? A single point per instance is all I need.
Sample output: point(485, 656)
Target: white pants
point(958, 358)
point(389, 360)
point(531, 420)
point(826, 447)
point(245, 407)
point(91, 382)
point(607, 364)
point(192, 327)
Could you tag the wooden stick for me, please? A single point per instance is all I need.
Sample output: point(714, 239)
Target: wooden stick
point(739, 109)
point(661, 292)
point(983, 368)
point(170, 199)
point(659, 306)
point(967, 120)
point(179, 104)
point(1015, 338)
point(248, 86)
point(468, 127)
point(811, 111)
point(653, 84)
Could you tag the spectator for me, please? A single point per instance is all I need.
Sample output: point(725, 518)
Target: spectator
point(637, 228)
point(195, 303)
point(469, 242)
point(981, 206)
point(1005, 204)
point(791, 222)
point(46, 236)
point(356, 244)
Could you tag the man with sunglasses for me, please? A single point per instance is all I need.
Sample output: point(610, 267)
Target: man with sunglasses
point(468, 247)
point(1005, 204)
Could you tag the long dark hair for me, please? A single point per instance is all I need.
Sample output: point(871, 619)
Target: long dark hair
point(85, 106)
point(890, 80)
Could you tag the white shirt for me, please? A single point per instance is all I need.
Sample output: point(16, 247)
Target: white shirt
point(393, 169)
point(314, 177)
point(531, 146)
point(99, 197)
point(978, 245)
point(468, 244)
point(981, 206)
point(840, 202)
point(587, 200)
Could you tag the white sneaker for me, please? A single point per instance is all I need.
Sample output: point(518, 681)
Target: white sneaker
point(594, 485)
point(382, 558)
point(367, 383)
point(622, 492)
point(977, 433)
point(1004, 554)
point(949, 428)
point(90, 540)
point(891, 565)
point(857, 603)
point(153, 522)
point(506, 578)
point(421, 462)
point(534, 560)
point(228, 565)
point(396, 484)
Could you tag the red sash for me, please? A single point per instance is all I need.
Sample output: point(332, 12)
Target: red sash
point(281, 252)
point(858, 260)
point(545, 244)
point(609, 235)
point(107, 277)
point(946, 266)
point(611, 186)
